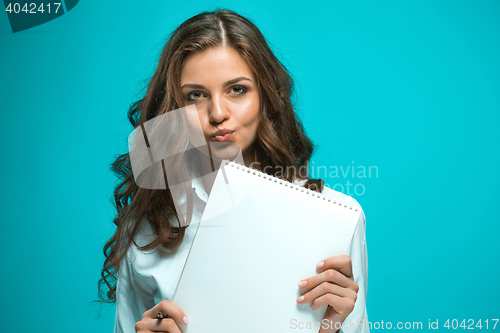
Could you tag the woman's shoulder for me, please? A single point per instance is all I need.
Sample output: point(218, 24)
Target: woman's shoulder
point(344, 198)
point(347, 200)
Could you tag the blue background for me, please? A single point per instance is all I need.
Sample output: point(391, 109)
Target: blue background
point(410, 87)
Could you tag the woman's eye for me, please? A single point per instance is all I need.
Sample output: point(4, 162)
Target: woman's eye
point(239, 90)
point(192, 96)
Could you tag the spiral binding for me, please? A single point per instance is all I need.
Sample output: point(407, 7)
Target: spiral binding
point(288, 184)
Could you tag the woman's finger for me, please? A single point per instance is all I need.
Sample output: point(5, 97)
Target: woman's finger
point(325, 288)
point(157, 325)
point(341, 305)
point(341, 263)
point(170, 308)
point(329, 275)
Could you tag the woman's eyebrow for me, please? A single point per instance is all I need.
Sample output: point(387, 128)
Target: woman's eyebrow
point(199, 86)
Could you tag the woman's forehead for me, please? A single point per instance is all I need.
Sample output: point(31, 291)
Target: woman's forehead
point(213, 65)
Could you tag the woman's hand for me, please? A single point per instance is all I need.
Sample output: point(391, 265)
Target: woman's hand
point(333, 286)
point(151, 323)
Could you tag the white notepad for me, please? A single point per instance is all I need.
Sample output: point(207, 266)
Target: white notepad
point(258, 238)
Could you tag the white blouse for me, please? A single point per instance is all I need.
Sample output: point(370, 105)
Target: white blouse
point(146, 278)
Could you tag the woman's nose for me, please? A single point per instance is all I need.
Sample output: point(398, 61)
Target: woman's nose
point(217, 109)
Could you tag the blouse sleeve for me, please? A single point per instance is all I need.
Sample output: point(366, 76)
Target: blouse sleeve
point(357, 321)
point(132, 298)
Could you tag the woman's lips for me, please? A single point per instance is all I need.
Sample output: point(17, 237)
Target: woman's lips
point(224, 138)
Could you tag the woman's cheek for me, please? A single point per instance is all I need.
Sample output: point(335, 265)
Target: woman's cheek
point(249, 112)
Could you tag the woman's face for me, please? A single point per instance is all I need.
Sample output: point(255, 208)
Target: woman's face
point(220, 84)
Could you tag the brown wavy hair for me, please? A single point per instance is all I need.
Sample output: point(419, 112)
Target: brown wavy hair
point(281, 144)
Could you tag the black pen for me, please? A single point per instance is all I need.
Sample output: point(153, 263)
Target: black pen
point(161, 316)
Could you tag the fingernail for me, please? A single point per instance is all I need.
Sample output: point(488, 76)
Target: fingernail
point(300, 299)
point(302, 284)
point(320, 264)
point(312, 306)
point(185, 319)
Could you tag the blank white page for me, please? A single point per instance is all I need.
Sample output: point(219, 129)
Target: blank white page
point(258, 238)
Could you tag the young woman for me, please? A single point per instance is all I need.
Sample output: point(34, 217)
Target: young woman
point(219, 62)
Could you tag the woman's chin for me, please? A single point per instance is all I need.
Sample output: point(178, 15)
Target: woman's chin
point(226, 150)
